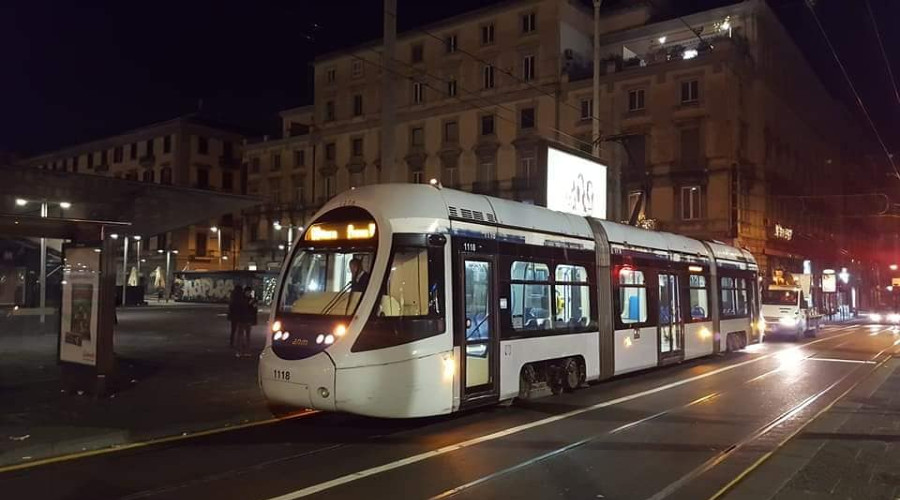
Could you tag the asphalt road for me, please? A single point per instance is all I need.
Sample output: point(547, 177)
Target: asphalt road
point(680, 432)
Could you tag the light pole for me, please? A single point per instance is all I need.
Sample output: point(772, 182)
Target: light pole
point(168, 270)
point(218, 234)
point(42, 275)
point(290, 234)
point(137, 240)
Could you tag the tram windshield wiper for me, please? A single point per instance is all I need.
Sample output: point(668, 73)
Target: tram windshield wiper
point(337, 298)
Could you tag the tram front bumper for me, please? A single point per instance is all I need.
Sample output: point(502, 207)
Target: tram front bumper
point(304, 383)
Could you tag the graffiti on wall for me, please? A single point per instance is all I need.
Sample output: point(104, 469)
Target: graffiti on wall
point(216, 287)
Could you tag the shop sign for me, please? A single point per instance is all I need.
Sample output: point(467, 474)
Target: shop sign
point(783, 232)
point(80, 306)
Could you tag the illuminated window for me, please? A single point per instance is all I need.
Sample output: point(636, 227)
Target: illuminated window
point(699, 297)
point(634, 197)
point(632, 296)
point(573, 297)
point(530, 295)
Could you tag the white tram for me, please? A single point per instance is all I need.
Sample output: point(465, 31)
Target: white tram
point(469, 300)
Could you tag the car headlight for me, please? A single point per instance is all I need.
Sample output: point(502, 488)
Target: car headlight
point(875, 317)
point(789, 321)
point(761, 324)
point(894, 318)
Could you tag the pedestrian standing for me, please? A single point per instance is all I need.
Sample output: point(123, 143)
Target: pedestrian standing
point(248, 312)
point(237, 294)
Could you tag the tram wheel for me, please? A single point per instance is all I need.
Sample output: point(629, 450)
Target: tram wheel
point(571, 374)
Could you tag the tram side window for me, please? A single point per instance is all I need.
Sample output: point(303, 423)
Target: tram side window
point(573, 297)
point(529, 292)
point(699, 298)
point(632, 296)
point(734, 297)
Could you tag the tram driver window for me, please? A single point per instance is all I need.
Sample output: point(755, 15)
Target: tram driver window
point(632, 296)
point(573, 298)
point(699, 298)
point(412, 287)
point(319, 282)
point(529, 291)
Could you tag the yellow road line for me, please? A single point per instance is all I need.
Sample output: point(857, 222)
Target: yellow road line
point(151, 442)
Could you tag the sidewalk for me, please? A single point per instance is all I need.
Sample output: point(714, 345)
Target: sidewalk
point(181, 377)
point(850, 451)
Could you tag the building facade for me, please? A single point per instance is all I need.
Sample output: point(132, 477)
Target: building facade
point(188, 152)
point(715, 130)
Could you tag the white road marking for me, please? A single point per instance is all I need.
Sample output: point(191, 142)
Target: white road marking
point(355, 476)
point(862, 361)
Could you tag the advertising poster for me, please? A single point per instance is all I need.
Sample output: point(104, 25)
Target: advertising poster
point(81, 286)
point(575, 185)
point(829, 283)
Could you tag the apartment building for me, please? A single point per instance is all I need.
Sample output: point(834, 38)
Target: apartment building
point(715, 129)
point(280, 171)
point(188, 151)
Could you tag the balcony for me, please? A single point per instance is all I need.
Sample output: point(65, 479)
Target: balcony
point(485, 187)
point(148, 160)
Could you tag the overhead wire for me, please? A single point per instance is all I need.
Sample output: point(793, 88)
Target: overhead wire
point(884, 56)
point(859, 100)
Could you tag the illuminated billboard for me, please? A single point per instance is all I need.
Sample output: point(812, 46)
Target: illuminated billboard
point(575, 185)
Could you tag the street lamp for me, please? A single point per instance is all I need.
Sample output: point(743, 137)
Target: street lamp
point(42, 276)
point(290, 233)
point(893, 267)
point(215, 230)
point(169, 254)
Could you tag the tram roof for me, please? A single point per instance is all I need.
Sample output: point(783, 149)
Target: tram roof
point(403, 201)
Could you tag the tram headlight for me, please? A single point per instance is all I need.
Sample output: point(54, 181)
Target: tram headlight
point(340, 330)
point(329, 339)
point(894, 318)
point(761, 324)
point(277, 336)
point(320, 338)
point(285, 335)
point(276, 325)
point(875, 317)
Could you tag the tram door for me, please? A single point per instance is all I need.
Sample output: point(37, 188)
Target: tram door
point(671, 323)
point(479, 345)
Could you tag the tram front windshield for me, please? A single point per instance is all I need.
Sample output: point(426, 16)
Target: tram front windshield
point(327, 282)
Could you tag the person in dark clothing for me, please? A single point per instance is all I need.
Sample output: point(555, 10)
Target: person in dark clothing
point(247, 311)
point(359, 278)
point(237, 294)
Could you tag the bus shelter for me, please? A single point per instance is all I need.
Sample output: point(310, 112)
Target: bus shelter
point(60, 235)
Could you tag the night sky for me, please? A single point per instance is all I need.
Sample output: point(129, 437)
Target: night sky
point(73, 73)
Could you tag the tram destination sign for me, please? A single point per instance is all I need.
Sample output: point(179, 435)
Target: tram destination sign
point(340, 231)
point(575, 185)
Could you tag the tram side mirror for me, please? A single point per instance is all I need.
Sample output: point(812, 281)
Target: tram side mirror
point(437, 240)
